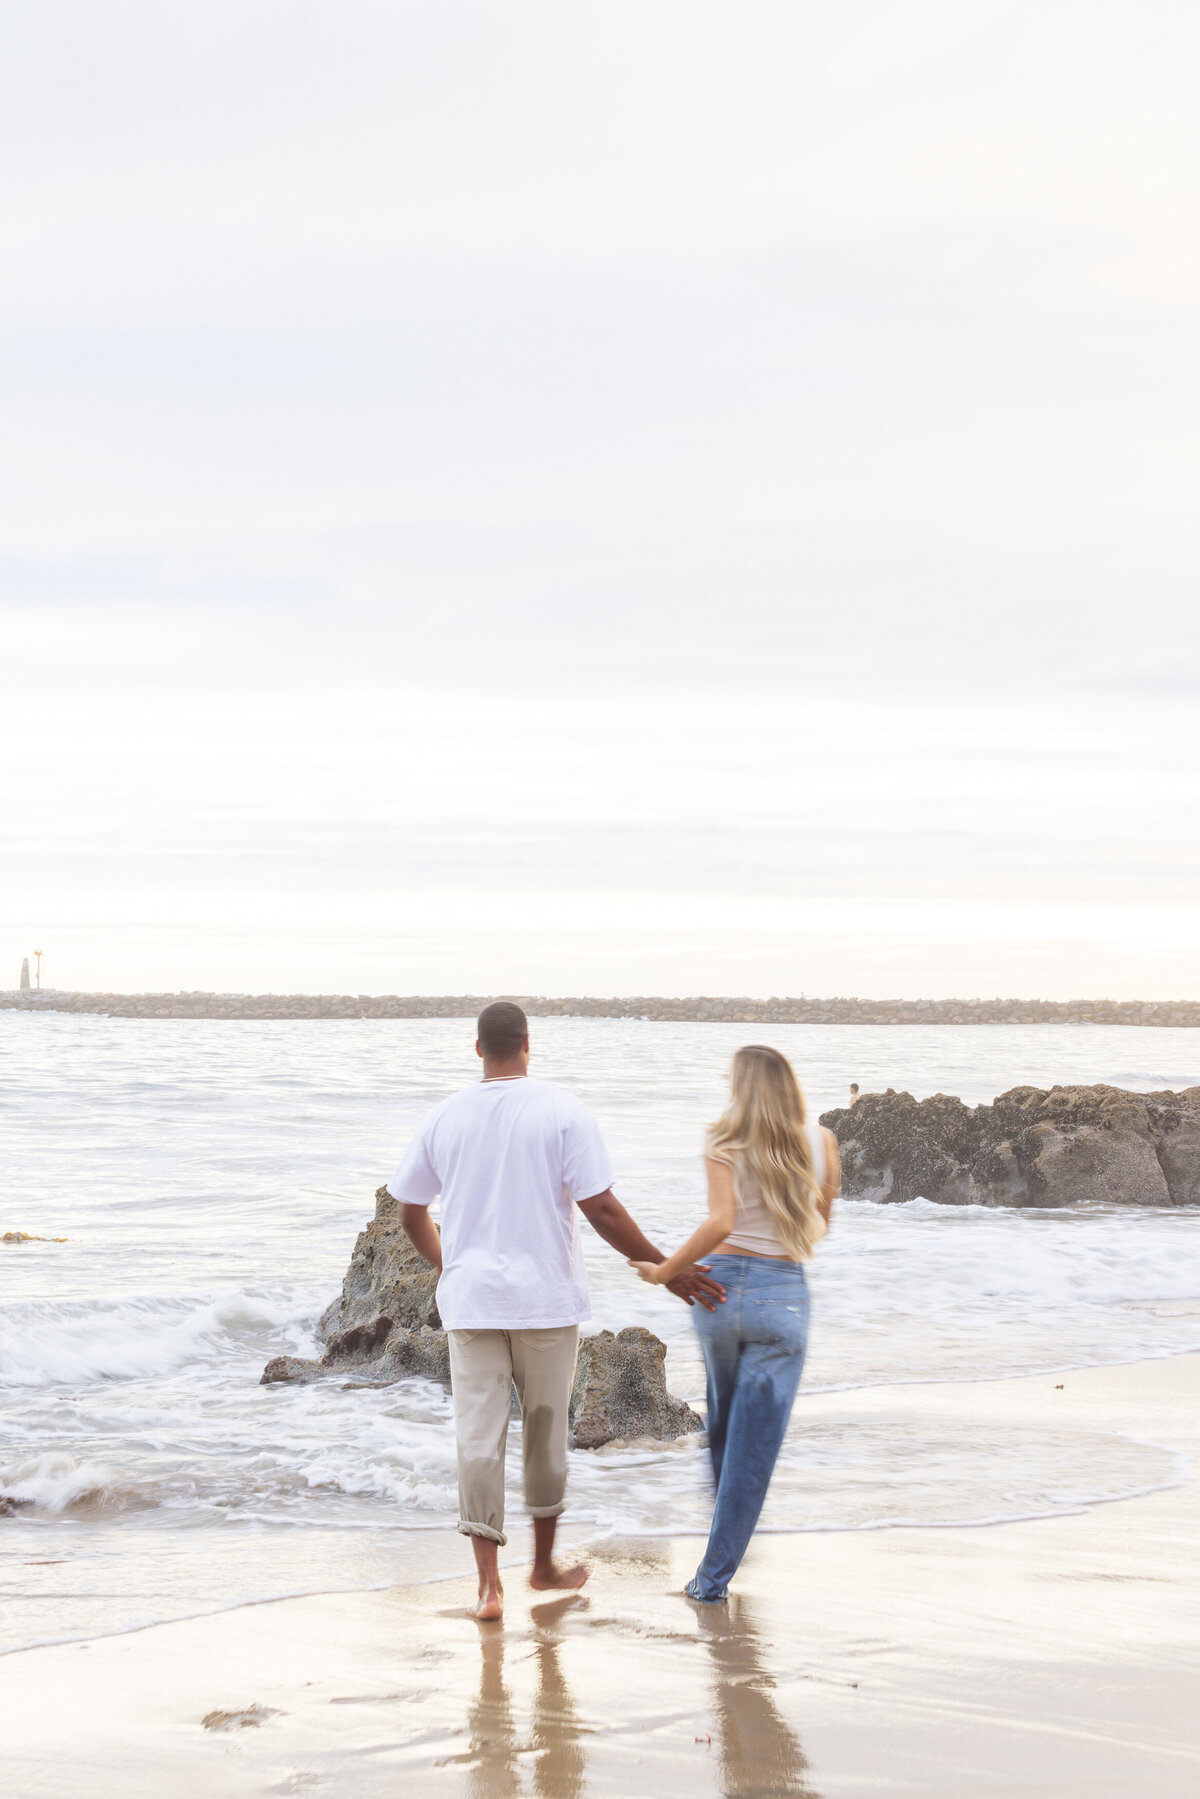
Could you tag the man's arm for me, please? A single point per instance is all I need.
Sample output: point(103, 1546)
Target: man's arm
point(422, 1233)
point(609, 1219)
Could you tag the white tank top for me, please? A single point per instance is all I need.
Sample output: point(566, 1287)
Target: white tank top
point(754, 1227)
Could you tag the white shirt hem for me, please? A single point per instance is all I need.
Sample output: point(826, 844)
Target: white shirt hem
point(517, 1324)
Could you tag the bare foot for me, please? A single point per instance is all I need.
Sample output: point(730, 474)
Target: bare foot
point(490, 1604)
point(552, 1577)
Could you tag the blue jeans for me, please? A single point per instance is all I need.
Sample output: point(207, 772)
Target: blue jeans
point(753, 1356)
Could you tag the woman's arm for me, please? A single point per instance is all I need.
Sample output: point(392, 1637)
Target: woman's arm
point(722, 1210)
point(609, 1219)
point(832, 1184)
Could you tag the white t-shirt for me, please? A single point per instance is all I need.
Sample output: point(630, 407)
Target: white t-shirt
point(510, 1159)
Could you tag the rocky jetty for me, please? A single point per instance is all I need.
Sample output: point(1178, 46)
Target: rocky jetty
point(699, 1009)
point(384, 1326)
point(1030, 1147)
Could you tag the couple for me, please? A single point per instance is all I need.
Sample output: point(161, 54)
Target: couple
point(514, 1161)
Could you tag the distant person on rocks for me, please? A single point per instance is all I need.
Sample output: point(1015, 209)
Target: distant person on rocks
point(772, 1180)
point(514, 1161)
point(854, 1093)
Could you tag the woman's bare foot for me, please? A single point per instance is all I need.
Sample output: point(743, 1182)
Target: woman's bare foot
point(490, 1605)
point(550, 1577)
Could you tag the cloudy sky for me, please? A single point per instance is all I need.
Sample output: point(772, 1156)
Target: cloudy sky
point(642, 498)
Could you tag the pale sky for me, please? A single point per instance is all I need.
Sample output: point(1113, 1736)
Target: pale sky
point(658, 498)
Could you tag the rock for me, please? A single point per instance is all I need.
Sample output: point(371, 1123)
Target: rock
point(378, 1354)
point(425, 1352)
point(1030, 1147)
point(1071, 1168)
point(621, 1391)
point(292, 1368)
point(1179, 1156)
point(384, 1326)
point(386, 1278)
point(359, 1344)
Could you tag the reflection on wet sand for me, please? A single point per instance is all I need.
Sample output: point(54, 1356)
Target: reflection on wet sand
point(556, 1726)
point(495, 1752)
point(760, 1753)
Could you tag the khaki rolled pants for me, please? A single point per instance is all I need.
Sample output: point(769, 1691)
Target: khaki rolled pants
point(484, 1368)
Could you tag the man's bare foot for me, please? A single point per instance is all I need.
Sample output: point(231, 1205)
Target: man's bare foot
point(490, 1605)
point(552, 1578)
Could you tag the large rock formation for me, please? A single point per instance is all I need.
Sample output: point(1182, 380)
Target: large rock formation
point(621, 1390)
point(386, 1278)
point(1028, 1148)
point(384, 1326)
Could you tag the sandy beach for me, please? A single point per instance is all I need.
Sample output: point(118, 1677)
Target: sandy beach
point(1057, 1656)
point(588, 598)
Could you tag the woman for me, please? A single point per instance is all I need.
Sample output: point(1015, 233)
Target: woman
point(772, 1179)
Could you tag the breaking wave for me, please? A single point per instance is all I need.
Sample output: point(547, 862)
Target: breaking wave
point(50, 1343)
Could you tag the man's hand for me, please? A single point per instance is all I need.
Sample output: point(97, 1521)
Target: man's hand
point(692, 1284)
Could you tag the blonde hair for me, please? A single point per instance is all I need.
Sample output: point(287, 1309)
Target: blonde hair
point(761, 1134)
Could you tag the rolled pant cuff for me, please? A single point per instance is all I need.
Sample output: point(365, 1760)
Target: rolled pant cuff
point(547, 1511)
point(482, 1530)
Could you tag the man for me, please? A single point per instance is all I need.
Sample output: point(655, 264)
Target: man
point(853, 1093)
point(514, 1160)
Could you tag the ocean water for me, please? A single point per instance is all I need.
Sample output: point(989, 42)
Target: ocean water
point(210, 1176)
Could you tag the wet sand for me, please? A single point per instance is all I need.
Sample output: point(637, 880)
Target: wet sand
point(1053, 1657)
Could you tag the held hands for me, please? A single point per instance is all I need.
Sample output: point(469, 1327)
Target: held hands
point(690, 1284)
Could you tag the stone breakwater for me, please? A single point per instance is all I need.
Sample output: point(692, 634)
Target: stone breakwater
point(702, 1009)
point(1031, 1147)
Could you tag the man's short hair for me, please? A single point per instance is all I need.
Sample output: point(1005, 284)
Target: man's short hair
point(502, 1029)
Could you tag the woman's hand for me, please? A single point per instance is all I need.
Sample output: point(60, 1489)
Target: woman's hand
point(686, 1273)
